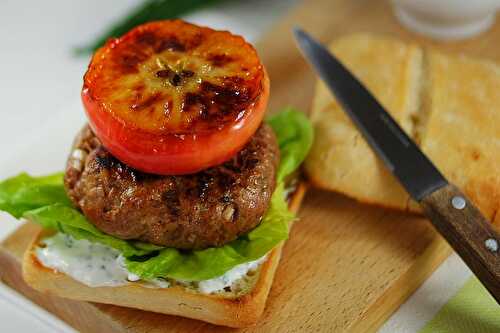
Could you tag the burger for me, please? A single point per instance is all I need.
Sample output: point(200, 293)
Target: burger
point(175, 194)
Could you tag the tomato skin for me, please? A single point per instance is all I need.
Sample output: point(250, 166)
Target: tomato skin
point(173, 98)
point(172, 154)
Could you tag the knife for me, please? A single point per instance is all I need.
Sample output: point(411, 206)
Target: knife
point(453, 215)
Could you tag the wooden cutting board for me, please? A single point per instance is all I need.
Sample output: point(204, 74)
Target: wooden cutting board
point(347, 266)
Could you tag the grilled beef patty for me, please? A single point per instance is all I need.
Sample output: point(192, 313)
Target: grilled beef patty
point(209, 208)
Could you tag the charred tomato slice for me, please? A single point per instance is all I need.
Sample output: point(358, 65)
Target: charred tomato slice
point(172, 98)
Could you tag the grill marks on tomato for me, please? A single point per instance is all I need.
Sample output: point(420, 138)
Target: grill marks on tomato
point(128, 61)
point(212, 103)
point(187, 73)
point(210, 106)
point(147, 102)
point(215, 105)
point(220, 60)
point(171, 78)
point(159, 43)
point(163, 73)
point(142, 46)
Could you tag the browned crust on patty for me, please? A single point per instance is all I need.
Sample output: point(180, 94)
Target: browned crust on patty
point(206, 209)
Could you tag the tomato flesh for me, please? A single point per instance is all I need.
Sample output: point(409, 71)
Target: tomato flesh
point(172, 98)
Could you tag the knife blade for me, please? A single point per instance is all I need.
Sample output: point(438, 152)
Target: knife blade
point(450, 211)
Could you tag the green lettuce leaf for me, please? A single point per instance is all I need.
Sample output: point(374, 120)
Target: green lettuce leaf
point(212, 262)
point(70, 221)
point(44, 201)
point(23, 192)
point(295, 136)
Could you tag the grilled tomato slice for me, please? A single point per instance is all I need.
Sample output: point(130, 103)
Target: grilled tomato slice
point(173, 98)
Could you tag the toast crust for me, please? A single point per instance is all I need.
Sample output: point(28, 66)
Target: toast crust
point(241, 311)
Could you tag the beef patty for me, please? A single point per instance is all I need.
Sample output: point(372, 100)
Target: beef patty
point(209, 208)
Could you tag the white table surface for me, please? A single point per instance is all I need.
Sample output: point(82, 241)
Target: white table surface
point(40, 111)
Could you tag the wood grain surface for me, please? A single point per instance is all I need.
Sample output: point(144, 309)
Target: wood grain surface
point(346, 266)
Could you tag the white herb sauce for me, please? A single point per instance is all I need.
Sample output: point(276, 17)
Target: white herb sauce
point(93, 264)
point(230, 277)
point(97, 265)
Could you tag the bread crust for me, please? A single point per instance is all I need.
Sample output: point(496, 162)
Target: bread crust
point(241, 311)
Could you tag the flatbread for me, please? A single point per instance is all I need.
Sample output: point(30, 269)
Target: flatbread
point(449, 104)
point(462, 132)
point(340, 159)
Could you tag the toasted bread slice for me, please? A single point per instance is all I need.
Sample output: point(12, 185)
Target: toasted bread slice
point(450, 105)
point(340, 158)
point(461, 134)
point(228, 310)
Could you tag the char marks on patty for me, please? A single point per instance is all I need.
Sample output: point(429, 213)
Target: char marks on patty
point(206, 209)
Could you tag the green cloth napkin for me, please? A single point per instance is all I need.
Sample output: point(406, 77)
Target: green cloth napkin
point(471, 310)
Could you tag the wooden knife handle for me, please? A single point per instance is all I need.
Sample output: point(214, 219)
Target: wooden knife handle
point(468, 232)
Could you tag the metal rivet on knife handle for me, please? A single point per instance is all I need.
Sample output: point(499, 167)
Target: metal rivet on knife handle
point(458, 202)
point(491, 244)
